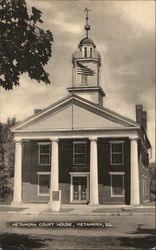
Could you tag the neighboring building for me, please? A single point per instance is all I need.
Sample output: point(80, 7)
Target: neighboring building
point(90, 153)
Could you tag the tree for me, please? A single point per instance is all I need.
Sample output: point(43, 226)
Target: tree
point(152, 168)
point(6, 158)
point(25, 47)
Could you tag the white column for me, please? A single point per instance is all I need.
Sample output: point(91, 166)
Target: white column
point(94, 194)
point(55, 195)
point(54, 165)
point(17, 198)
point(135, 193)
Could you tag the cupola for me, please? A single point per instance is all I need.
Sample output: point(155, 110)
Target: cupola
point(86, 70)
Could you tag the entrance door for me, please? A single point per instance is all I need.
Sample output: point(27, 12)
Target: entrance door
point(80, 189)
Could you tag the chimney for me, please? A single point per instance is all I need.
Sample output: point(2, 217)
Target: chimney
point(144, 119)
point(139, 113)
point(36, 111)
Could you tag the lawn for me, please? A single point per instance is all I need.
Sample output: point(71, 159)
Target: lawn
point(22, 241)
point(9, 208)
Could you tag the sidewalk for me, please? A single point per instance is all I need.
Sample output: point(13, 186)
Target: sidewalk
point(72, 209)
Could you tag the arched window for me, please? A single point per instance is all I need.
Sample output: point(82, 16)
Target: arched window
point(91, 50)
point(85, 51)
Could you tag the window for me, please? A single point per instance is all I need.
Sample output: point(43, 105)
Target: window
point(117, 185)
point(44, 154)
point(43, 183)
point(85, 51)
point(145, 185)
point(79, 153)
point(91, 52)
point(83, 79)
point(116, 153)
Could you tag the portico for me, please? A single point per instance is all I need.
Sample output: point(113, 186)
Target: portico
point(91, 176)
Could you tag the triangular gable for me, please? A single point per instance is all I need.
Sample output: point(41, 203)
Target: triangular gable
point(84, 118)
point(75, 113)
point(61, 119)
point(40, 116)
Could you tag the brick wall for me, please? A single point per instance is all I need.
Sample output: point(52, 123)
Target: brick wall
point(31, 167)
point(105, 167)
point(143, 175)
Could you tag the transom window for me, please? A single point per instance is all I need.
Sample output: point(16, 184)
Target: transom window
point(117, 185)
point(79, 153)
point(43, 184)
point(44, 153)
point(117, 152)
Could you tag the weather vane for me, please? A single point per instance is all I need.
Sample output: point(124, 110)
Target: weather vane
point(87, 26)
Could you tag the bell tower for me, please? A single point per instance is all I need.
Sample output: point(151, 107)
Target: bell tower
point(86, 69)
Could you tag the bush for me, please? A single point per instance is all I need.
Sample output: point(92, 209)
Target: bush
point(6, 159)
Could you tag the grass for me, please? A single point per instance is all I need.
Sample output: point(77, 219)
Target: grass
point(131, 210)
point(21, 241)
point(5, 209)
point(63, 210)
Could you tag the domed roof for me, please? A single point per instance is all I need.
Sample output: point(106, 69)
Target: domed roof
point(86, 41)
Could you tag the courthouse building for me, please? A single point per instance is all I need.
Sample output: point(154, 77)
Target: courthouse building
point(91, 154)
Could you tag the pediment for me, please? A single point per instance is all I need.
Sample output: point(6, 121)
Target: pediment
point(85, 118)
point(61, 119)
point(74, 113)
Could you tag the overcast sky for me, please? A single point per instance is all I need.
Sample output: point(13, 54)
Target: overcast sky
point(123, 32)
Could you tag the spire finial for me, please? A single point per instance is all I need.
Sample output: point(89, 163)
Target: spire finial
point(87, 26)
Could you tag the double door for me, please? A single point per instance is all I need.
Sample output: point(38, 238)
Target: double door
point(80, 189)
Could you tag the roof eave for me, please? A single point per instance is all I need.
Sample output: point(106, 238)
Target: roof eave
point(82, 100)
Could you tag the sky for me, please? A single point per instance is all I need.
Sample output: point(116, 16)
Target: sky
point(124, 34)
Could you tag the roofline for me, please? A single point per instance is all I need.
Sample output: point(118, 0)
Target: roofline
point(76, 129)
point(66, 99)
point(89, 88)
point(91, 43)
point(28, 119)
point(108, 111)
